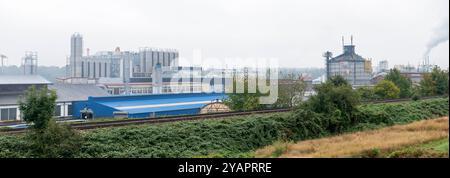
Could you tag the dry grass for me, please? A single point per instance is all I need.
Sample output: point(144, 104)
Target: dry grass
point(348, 145)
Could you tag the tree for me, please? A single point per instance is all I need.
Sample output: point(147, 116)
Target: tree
point(245, 101)
point(386, 89)
point(334, 94)
point(366, 93)
point(434, 83)
point(440, 78)
point(291, 93)
point(337, 100)
point(338, 81)
point(46, 137)
point(427, 86)
point(37, 106)
point(403, 83)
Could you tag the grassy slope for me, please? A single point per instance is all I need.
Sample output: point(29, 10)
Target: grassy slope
point(366, 144)
point(433, 149)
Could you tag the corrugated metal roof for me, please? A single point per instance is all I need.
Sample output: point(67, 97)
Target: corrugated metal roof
point(347, 57)
point(22, 79)
point(158, 103)
point(77, 92)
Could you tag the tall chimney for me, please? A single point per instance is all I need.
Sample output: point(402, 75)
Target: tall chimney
point(351, 40)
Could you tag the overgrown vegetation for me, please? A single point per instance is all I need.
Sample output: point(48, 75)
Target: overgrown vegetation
point(230, 137)
point(335, 109)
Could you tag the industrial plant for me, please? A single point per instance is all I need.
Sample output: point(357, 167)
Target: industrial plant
point(354, 68)
point(147, 71)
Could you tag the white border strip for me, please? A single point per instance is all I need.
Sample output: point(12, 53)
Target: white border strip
point(162, 105)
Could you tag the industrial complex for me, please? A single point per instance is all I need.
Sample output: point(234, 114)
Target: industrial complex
point(131, 84)
point(150, 83)
point(147, 71)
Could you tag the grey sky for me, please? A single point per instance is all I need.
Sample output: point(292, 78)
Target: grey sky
point(297, 32)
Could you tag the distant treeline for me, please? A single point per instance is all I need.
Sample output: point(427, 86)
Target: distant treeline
point(48, 72)
point(312, 72)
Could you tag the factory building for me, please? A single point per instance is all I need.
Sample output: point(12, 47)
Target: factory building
point(148, 71)
point(117, 63)
point(144, 106)
point(13, 87)
point(354, 68)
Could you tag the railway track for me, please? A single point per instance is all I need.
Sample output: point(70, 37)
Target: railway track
point(118, 123)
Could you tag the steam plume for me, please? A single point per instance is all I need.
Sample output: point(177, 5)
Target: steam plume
point(440, 35)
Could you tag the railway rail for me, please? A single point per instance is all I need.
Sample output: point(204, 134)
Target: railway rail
point(118, 123)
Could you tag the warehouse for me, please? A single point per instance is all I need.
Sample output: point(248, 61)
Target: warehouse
point(12, 87)
point(143, 106)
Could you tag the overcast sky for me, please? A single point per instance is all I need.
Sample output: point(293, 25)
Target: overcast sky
point(296, 32)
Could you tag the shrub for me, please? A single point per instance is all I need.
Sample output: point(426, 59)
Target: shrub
point(54, 141)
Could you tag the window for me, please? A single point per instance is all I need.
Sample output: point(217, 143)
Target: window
point(4, 114)
point(12, 114)
point(69, 110)
point(82, 69)
point(94, 67)
point(8, 114)
point(57, 110)
point(105, 70)
point(89, 69)
point(99, 70)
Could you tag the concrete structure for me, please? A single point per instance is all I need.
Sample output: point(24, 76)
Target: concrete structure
point(144, 106)
point(354, 68)
point(76, 54)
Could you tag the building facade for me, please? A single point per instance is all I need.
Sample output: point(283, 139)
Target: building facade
point(354, 68)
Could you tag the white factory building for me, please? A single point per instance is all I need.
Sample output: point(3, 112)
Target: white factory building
point(147, 71)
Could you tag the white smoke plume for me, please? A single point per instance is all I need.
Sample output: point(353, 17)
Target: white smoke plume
point(440, 35)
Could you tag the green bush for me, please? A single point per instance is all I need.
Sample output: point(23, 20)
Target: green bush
point(54, 141)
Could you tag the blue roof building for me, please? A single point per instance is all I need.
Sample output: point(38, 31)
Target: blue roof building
point(142, 106)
